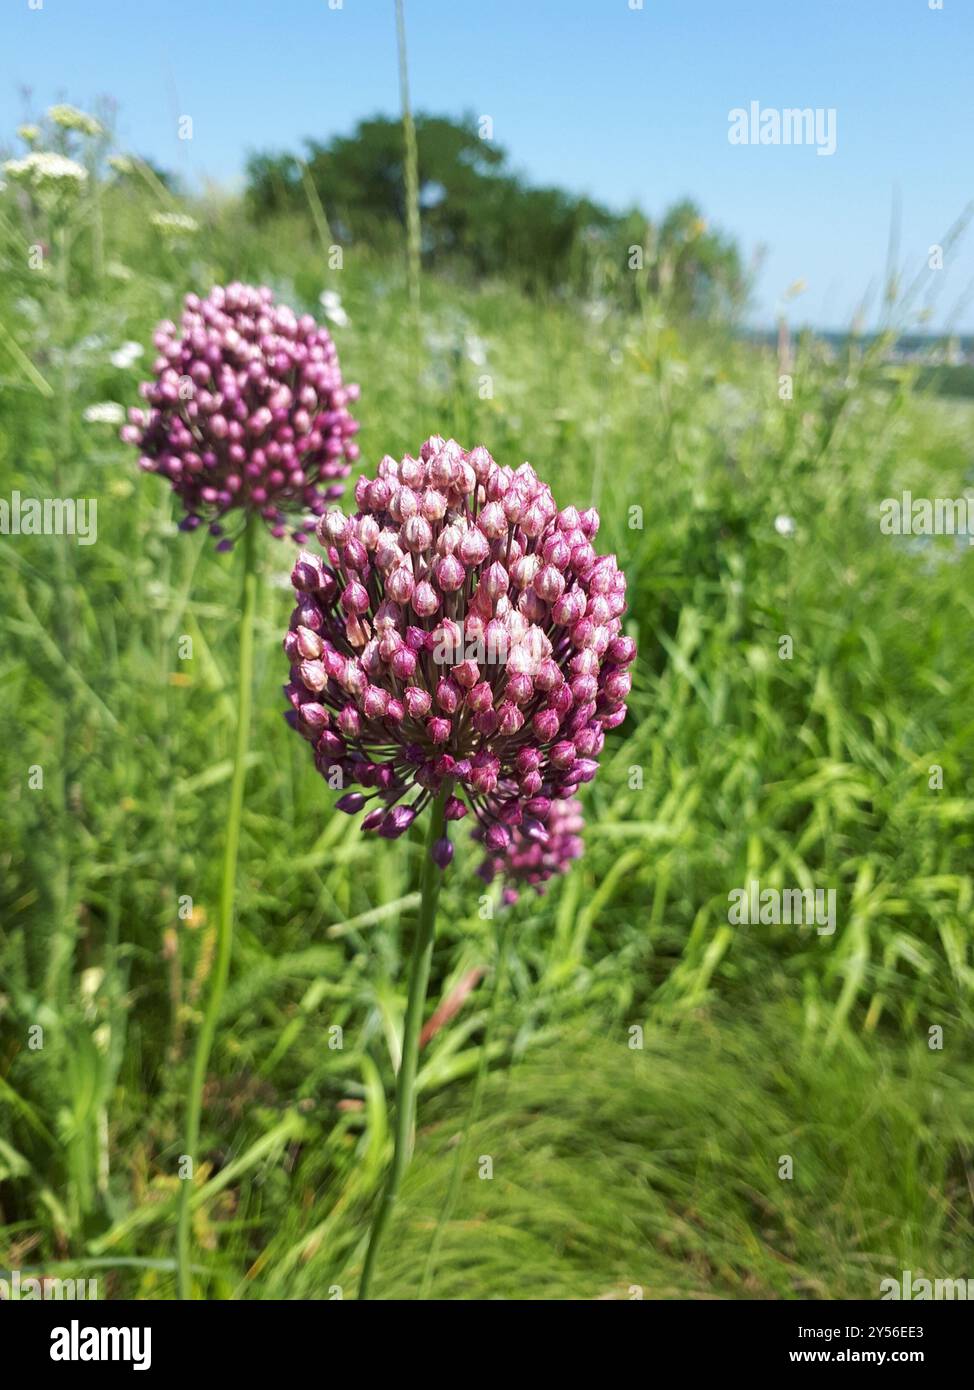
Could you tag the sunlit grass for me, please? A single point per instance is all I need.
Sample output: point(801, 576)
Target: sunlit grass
point(612, 1167)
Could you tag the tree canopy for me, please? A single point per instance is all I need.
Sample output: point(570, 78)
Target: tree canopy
point(478, 215)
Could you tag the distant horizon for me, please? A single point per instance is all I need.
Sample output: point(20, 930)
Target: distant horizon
point(628, 105)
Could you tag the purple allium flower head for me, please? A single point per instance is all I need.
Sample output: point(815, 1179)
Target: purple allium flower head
point(461, 633)
point(536, 852)
point(246, 412)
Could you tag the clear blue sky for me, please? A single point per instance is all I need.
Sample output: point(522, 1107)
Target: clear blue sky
point(628, 106)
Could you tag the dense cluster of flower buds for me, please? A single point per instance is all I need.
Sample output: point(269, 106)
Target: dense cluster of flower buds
point(531, 859)
point(461, 634)
point(247, 412)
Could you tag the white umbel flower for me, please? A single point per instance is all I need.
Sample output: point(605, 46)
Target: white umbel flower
point(70, 118)
point(127, 355)
point(44, 169)
point(784, 525)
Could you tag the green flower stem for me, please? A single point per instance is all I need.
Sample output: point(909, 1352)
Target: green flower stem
point(419, 973)
point(473, 1110)
point(224, 940)
point(411, 172)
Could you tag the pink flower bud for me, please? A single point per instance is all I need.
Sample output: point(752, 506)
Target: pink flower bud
point(416, 535)
point(448, 696)
point(481, 697)
point(400, 584)
point(545, 724)
point(449, 573)
point(313, 675)
point(403, 663)
point(474, 547)
point(417, 701)
point(425, 600)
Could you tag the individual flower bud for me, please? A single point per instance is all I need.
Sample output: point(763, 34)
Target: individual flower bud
point(416, 535)
point(466, 674)
point(519, 689)
point(481, 697)
point(448, 695)
point(308, 573)
point(425, 600)
point(492, 521)
point(549, 583)
point(621, 651)
point(403, 663)
point(313, 675)
point(495, 581)
point(562, 755)
point(510, 719)
point(442, 852)
point(474, 547)
point(546, 724)
point(315, 716)
point(618, 684)
point(375, 702)
point(401, 584)
point(396, 822)
point(497, 837)
point(417, 701)
point(355, 599)
point(449, 573)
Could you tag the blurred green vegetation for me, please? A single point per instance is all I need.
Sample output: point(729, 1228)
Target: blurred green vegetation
point(615, 1166)
point(481, 219)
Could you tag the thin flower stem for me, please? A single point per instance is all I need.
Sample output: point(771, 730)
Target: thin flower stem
point(419, 972)
point(224, 941)
point(411, 171)
point(473, 1110)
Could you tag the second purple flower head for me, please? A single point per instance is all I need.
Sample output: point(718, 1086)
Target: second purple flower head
point(246, 412)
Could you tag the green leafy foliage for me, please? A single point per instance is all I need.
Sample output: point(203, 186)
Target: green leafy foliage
point(614, 1168)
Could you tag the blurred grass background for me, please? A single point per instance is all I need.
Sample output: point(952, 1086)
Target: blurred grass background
point(648, 1067)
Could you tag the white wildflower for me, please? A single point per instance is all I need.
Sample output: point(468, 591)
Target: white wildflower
point(105, 413)
point(30, 134)
point(784, 525)
point(331, 302)
point(121, 163)
point(127, 355)
point(44, 170)
point(70, 118)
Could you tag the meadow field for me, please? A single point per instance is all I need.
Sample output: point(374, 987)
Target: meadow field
point(672, 1105)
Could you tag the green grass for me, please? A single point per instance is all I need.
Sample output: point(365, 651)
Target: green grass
point(613, 1168)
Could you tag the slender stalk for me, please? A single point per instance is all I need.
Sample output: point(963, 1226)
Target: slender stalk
point(419, 973)
point(224, 940)
point(411, 169)
point(473, 1109)
point(65, 631)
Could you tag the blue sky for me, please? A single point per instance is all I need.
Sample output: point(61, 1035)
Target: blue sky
point(628, 105)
